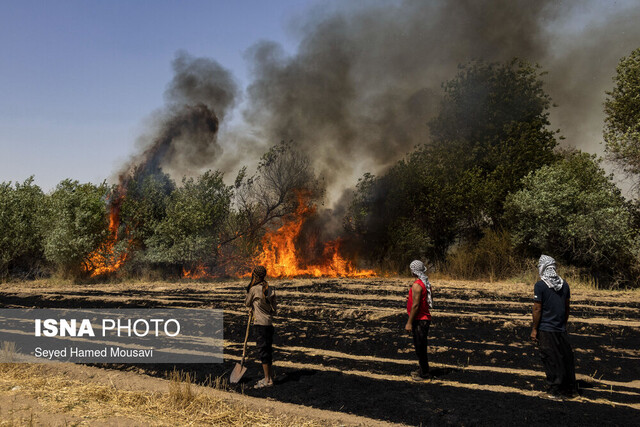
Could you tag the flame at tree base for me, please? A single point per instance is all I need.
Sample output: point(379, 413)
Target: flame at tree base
point(200, 272)
point(281, 258)
point(278, 262)
point(105, 260)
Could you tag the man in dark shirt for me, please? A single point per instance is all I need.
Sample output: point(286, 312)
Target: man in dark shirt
point(551, 297)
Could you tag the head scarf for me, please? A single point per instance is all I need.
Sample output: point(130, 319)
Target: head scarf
point(547, 270)
point(257, 277)
point(418, 268)
point(260, 272)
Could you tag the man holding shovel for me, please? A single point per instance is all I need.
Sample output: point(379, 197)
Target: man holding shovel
point(261, 298)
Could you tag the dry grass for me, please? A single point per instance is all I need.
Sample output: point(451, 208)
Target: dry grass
point(182, 404)
point(7, 352)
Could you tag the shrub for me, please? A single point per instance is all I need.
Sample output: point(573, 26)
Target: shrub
point(21, 235)
point(574, 211)
point(408, 242)
point(144, 204)
point(189, 234)
point(77, 224)
point(492, 258)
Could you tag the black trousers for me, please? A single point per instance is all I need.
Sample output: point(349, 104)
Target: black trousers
point(557, 359)
point(420, 329)
point(264, 342)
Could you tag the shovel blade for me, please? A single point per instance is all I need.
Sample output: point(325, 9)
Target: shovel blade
point(237, 373)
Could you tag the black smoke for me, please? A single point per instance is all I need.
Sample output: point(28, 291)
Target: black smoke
point(357, 93)
point(184, 137)
point(364, 81)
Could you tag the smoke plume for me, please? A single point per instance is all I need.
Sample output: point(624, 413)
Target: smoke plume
point(364, 82)
point(357, 93)
point(184, 137)
point(581, 68)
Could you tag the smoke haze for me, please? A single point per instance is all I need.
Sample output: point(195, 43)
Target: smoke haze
point(184, 137)
point(364, 81)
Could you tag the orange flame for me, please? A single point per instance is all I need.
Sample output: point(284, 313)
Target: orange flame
point(196, 273)
point(281, 258)
point(104, 259)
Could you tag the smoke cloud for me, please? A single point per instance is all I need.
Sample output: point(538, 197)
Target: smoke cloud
point(184, 137)
point(364, 81)
point(581, 68)
point(358, 93)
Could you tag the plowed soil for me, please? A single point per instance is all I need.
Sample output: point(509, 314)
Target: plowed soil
point(340, 346)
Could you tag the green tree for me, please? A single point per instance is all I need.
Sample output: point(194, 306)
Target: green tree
point(491, 131)
point(77, 224)
point(573, 210)
point(21, 238)
point(282, 180)
point(622, 109)
point(189, 234)
point(144, 205)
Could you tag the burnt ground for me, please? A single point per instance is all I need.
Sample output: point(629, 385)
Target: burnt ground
point(340, 346)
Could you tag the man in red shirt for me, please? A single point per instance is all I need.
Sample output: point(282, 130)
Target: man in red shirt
point(419, 303)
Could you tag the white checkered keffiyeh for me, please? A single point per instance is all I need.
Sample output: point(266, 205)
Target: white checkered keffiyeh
point(547, 270)
point(418, 268)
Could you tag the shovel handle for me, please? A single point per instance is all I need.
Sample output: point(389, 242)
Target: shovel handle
point(246, 337)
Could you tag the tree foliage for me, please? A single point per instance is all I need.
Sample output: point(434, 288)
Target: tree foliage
point(21, 225)
point(77, 223)
point(622, 109)
point(492, 130)
point(189, 233)
point(573, 210)
point(144, 205)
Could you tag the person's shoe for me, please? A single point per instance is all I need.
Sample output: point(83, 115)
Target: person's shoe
point(551, 396)
point(571, 394)
point(262, 384)
point(419, 376)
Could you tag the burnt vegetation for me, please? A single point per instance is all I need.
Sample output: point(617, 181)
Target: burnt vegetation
point(485, 191)
point(338, 347)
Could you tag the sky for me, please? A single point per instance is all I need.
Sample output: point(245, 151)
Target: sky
point(80, 80)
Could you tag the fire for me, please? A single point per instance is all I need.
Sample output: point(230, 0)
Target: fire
point(196, 273)
point(282, 259)
point(104, 259)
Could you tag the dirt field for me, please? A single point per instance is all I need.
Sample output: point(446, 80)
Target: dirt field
point(341, 347)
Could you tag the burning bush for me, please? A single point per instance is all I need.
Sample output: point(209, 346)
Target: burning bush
point(78, 223)
point(263, 199)
point(283, 249)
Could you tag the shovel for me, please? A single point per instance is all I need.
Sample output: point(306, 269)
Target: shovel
point(240, 369)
